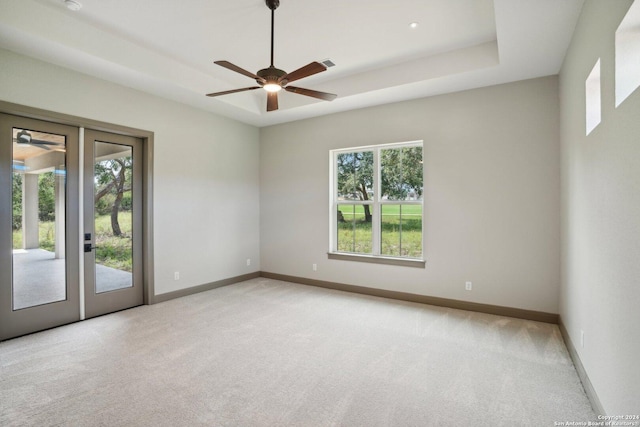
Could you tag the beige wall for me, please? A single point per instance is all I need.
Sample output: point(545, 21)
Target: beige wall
point(206, 168)
point(492, 162)
point(600, 291)
point(492, 177)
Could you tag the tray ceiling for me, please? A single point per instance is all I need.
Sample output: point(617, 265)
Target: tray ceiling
point(167, 48)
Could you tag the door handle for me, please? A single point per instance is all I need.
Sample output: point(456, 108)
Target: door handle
point(89, 248)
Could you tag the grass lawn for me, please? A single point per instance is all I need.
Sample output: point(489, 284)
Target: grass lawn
point(114, 252)
point(401, 235)
point(46, 236)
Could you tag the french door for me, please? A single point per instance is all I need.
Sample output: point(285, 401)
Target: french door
point(112, 243)
point(39, 285)
point(49, 235)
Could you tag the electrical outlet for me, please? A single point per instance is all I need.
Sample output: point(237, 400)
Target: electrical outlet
point(581, 338)
point(468, 285)
point(248, 261)
point(176, 275)
point(315, 267)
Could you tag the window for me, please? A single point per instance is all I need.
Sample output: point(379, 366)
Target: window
point(377, 201)
point(592, 98)
point(628, 54)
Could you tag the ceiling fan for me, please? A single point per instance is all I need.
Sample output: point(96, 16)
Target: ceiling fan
point(273, 79)
point(25, 138)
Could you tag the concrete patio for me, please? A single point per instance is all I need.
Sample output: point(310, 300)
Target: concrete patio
point(39, 278)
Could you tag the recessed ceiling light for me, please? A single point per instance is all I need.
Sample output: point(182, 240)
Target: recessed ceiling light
point(413, 25)
point(73, 5)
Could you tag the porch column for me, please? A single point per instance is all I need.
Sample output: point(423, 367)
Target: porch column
point(30, 237)
point(60, 215)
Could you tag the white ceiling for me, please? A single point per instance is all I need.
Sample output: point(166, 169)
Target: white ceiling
point(167, 47)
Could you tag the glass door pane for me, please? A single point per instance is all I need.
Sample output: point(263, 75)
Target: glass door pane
point(113, 211)
point(113, 277)
point(39, 225)
point(38, 194)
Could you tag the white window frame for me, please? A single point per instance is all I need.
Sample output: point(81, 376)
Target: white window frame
point(627, 44)
point(376, 203)
point(593, 99)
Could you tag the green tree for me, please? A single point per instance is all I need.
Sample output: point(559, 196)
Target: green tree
point(113, 177)
point(16, 199)
point(355, 178)
point(47, 196)
point(401, 173)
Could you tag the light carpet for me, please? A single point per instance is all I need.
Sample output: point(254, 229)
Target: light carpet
point(272, 353)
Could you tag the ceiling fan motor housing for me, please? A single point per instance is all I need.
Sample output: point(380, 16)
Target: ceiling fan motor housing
point(24, 137)
point(272, 75)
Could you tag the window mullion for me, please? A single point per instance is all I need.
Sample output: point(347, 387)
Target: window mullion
point(353, 228)
point(333, 202)
point(400, 228)
point(377, 213)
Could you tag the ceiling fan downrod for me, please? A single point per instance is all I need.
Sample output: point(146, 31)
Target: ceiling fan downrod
point(273, 5)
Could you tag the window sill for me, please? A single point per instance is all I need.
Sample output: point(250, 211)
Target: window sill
point(404, 262)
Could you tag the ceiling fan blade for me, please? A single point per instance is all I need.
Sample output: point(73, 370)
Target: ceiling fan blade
point(272, 101)
point(313, 93)
point(306, 71)
point(228, 65)
point(36, 142)
point(226, 92)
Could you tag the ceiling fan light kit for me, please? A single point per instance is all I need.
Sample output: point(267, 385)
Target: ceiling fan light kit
point(272, 87)
point(273, 79)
